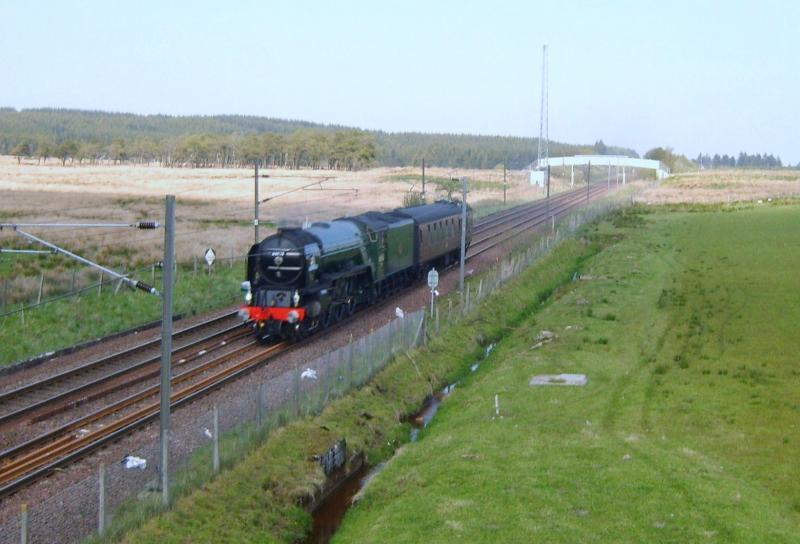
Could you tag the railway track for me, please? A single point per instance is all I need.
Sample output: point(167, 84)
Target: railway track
point(489, 237)
point(35, 458)
point(69, 388)
point(517, 211)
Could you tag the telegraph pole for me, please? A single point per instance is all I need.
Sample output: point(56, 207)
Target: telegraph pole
point(255, 212)
point(463, 234)
point(166, 342)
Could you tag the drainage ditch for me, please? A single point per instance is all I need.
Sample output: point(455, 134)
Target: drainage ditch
point(345, 485)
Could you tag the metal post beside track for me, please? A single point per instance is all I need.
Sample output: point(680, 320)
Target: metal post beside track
point(23, 524)
point(423, 179)
point(255, 212)
point(588, 178)
point(215, 460)
point(101, 500)
point(166, 343)
point(504, 183)
point(463, 234)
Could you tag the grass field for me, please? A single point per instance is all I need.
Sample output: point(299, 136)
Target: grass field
point(688, 429)
point(66, 322)
point(736, 185)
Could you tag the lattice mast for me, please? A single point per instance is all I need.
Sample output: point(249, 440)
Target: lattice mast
point(543, 152)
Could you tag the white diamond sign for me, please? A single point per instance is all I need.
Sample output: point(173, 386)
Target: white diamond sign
point(210, 256)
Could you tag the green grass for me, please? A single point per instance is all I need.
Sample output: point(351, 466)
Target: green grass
point(686, 432)
point(445, 184)
point(7, 261)
point(72, 320)
point(260, 499)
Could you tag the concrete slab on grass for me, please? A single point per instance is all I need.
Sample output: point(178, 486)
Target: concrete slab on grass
point(559, 379)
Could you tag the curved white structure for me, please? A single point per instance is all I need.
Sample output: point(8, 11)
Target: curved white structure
point(619, 161)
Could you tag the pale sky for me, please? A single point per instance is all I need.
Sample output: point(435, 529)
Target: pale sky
point(698, 76)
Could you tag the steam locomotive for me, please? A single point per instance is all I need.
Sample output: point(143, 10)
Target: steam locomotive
point(300, 280)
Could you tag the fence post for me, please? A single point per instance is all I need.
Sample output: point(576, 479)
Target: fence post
point(5, 294)
point(23, 524)
point(260, 405)
point(100, 285)
point(297, 391)
point(41, 288)
point(194, 266)
point(72, 285)
point(101, 500)
point(350, 362)
point(419, 330)
point(437, 320)
point(215, 459)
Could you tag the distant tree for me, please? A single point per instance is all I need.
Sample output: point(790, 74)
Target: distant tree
point(66, 150)
point(44, 150)
point(663, 154)
point(600, 148)
point(22, 149)
point(118, 151)
point(413, 198)
point(450, 186)
point(252, 149)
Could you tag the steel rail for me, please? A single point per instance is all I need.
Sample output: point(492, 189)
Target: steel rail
point(26, 467)
point(500, 217)
point(546, 210)
point(15, 394)
point(558, 211)
point(207, 345)
point(119, 405)
point(12, 394)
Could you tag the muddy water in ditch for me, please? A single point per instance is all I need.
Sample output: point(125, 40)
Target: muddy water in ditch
point(329, 514)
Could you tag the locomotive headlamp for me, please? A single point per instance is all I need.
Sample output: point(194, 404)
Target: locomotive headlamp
point(296, 297)
point(292, 316)
point(248, 297)
point(245, 286)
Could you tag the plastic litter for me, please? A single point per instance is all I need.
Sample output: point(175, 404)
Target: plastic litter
point(131, 461)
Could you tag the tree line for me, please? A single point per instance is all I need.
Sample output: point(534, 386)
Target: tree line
point(81, 137)
point(744, 160)
point(304, 148)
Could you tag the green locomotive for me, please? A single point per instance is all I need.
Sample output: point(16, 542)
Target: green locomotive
point(301, 280)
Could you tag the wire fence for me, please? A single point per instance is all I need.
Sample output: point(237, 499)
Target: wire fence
point(26, 293)
point(204, 442)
